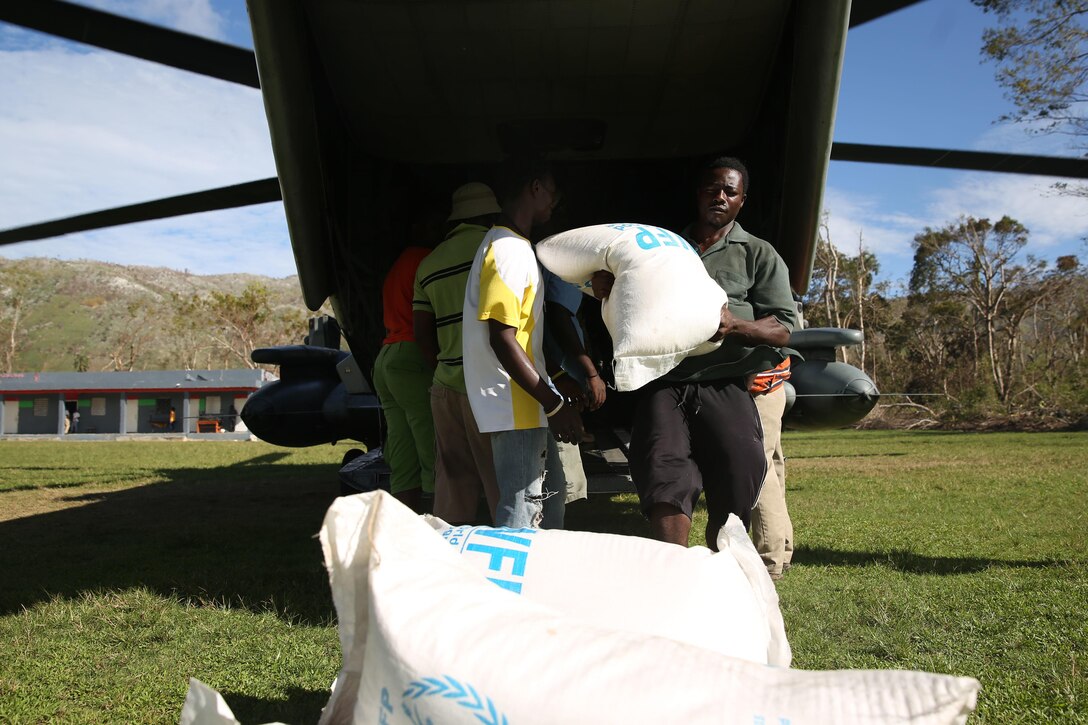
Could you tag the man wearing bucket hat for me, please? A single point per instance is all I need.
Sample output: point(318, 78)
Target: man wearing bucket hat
point(463, 462)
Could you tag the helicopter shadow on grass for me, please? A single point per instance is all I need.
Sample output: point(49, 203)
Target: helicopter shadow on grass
point(910, 562)
point(267, 458)
point(240, 536)
point(607, 514)
point(845, 455)
point(301, 705)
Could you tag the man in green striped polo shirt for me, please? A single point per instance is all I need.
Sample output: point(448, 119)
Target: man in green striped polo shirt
point(463, 462)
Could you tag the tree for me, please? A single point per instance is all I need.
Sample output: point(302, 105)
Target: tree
point(975, 261)
point(127, 338)
point(842, 291)
point(824, 288)
point(1041, 52)
point(189, 342)
point(236, 325)
point(1055, 343)
point(21, 288)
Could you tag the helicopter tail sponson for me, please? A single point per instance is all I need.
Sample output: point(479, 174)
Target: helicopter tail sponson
point(822, 393)
point(310, 404)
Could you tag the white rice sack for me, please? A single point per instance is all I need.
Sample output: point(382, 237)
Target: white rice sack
point(426, 637)
point(663, 306)
point(204, 706)
point(639, 585)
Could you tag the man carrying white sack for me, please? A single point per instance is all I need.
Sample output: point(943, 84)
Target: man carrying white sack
point(697, 428)
point(509, 390)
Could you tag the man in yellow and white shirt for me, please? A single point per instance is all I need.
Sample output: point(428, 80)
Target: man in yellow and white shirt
point(504, 285)
point(507, 383)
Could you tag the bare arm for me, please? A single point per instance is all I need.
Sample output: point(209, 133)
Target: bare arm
point(567, 386)
point(602, 282)
point(764, 331)
point(561, 322)
point(566, 423)
point(426, 335)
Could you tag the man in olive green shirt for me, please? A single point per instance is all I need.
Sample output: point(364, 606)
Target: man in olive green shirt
point(697, 428)
point(463, 460)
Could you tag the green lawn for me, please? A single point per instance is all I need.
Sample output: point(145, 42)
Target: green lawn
point(127, 567)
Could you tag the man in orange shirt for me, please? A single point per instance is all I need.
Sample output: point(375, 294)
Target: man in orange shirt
point(402, 379)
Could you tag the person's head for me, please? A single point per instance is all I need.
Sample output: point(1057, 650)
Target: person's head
point(527, 182)
point(473, 203)
point(721, 190)
point(425, 219)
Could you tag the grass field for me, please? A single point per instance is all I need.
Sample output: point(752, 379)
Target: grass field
point(127, 567)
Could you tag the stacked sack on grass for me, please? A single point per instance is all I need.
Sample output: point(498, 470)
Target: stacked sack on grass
point(663, 306)
point(427, 636)
point(500, 626)
point(638, 585)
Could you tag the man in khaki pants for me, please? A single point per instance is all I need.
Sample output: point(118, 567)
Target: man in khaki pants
point(463, 462)
point(772, 530)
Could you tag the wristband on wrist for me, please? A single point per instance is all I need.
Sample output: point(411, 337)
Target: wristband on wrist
point(557, 408)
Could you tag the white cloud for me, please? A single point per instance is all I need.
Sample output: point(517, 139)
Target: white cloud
point(82, 131)
point(882, 229)
point(189, 16)
point(1024, 138)
point(1056, 222)
point(251, 239)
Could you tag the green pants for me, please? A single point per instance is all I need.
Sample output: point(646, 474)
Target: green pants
point(403, 383)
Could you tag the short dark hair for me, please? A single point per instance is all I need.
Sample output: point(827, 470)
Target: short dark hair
point(517, 172)
point(728, 162)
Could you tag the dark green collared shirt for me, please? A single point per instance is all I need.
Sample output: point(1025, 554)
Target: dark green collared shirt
point(758, 284)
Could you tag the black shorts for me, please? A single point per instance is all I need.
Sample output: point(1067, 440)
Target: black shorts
point(693, 437)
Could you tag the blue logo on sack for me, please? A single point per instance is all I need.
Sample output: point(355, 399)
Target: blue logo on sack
point(653, 237)
point(448, 688)
point(499, 546)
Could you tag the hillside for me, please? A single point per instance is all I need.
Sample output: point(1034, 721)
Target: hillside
point(100, 316)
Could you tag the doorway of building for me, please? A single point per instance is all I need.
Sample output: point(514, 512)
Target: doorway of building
point(71, 416)
point(165, 418)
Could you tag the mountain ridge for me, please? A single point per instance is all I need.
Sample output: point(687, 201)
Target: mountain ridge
point(60, 315)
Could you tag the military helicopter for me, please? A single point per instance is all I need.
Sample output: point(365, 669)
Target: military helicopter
point(373, 105)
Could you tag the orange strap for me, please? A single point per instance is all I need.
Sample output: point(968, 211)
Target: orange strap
point(770, 380)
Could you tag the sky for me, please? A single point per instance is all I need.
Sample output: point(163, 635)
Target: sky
point(83, 129)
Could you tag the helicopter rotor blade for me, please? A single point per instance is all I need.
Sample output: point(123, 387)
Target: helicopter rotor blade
point(208, 57)
point(238, 65)
point(225, 197)
point(864, 11)
point(135, 38)
point(1065, 167)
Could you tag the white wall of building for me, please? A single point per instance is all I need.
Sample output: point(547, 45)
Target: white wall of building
point(10, 422)
point(132, 415)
